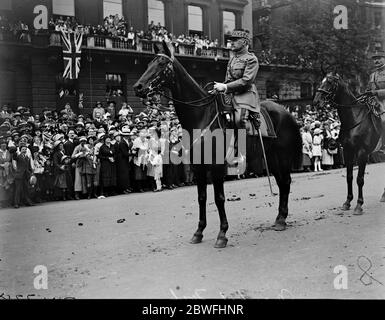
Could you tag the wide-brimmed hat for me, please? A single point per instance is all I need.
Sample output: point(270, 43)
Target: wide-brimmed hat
point(82, 138)
point(317, 131)
point(63, 158)
point(126, 131)
point(56, 143)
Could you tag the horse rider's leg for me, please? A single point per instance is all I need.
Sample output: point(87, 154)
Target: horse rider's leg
point(200, 174)
point(218, 173)
point(244, 117)
point(348, 155)
point(362, 159)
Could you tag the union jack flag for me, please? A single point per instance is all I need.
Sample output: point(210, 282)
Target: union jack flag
point(72, 49)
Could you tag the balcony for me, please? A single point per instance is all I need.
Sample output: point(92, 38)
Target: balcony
point(147, 46)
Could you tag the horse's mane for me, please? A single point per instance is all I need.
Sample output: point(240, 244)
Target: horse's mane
point(345, 86)
point(188, 76)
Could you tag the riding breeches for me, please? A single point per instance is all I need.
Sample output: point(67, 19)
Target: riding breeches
point(241, 115)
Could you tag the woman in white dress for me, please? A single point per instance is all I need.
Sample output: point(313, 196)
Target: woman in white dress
point(317, 149)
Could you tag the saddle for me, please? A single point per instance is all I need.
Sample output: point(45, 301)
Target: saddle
point(264, 122)
point(374, 110)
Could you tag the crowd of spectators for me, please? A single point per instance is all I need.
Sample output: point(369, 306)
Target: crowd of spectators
point(14, 30)
point(61, 155)
point(116, 27)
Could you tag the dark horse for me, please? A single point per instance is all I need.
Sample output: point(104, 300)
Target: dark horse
point(358, 133)
point(283, 153)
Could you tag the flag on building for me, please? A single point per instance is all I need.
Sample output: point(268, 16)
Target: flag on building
point(72, 49)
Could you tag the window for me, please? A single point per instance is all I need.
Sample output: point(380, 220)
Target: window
point(306, 90)
point(63, 7)
point(114, 82)
point(228, 22)
point(156, 12)
point(195, 20)
point(112, 7)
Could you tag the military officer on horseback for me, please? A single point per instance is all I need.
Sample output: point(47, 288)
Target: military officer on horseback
point(377, 86)
point(241, 73)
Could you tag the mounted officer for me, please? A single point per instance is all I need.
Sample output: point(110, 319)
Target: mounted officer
point(241, 73)
point(376, 86)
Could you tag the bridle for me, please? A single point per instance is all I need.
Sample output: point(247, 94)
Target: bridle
point(361, 100)
point(167, 76)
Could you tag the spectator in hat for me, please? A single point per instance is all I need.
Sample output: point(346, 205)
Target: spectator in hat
point(111, 109)
point(68, 111)
point(6, 173)
point(154, 168)
point(23, 171)
point(98, 109)
point(38, 164)
point(107, 167)
point(98, 120)
point(63, 178)
point(4, 114)
point(69, 145)
point(123, 159)
point(88, 169)
point(125, 110)
point(80, 155)
point(307, 143)
point(140, 148)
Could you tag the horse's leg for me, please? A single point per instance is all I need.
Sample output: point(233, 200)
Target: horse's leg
point(218, 173)
point(362, 159)
point(349, 178)
point(200, 174)
point(283, 182)
point(281, 171)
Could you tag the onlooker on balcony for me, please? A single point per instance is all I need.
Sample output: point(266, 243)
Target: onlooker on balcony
point(98, 109)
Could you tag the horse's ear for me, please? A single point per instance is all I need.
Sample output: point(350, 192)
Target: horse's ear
point(168, 48)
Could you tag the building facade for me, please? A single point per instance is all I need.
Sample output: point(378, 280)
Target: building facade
point(31, 62)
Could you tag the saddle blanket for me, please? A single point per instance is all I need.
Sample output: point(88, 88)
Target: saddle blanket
point(266, 126)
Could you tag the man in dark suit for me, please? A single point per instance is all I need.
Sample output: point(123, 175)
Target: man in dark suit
point(22, 175)
point(69, 145)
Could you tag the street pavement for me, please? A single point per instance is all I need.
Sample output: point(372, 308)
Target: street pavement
point(137, 245)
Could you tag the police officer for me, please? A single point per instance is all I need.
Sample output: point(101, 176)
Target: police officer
point(377, 86)
point(241, 72)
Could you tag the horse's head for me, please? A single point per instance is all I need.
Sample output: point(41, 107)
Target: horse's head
point(327, 91)
point(159, 73)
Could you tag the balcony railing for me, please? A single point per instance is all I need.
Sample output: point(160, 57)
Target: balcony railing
point(121, 44)
point(148, 46)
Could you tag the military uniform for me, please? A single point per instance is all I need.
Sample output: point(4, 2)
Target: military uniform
point(377, 86)
point(241, 72)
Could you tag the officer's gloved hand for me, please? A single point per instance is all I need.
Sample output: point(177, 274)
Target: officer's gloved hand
point(220, 87)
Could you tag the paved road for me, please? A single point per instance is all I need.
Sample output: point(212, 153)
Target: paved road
point(89, 255)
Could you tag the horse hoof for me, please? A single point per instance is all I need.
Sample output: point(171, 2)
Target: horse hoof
point(279, 226)
point(221, 243)
point(345, 207)
point(196, 239)
point(358, 211)
point(382, 198)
